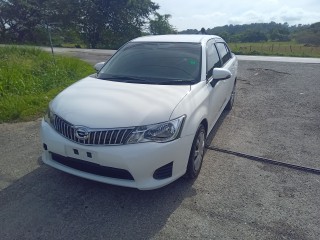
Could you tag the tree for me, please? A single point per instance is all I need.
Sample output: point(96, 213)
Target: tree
point(24, 21)
point(189, 31)
point(160, 25)
point(310, 35)
point(280, 33)
point(103, 23)
point(110, 23)
point(253, 36)
point(19, 20)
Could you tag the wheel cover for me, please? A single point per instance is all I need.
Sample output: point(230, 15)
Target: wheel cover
point(199, 151)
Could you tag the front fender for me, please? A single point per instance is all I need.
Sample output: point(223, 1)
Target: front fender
point(195, 107)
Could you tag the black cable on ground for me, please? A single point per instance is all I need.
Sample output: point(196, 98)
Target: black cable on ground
point(266, 160)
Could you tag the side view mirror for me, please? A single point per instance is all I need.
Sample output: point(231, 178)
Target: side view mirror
point(221, 74)
point(98, 66)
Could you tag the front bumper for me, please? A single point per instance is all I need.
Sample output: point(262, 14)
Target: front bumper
point(140, 160)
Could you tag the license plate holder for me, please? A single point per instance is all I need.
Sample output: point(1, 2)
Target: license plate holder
point(81, 154)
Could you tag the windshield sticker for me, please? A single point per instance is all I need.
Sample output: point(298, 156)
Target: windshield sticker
point(192, 62)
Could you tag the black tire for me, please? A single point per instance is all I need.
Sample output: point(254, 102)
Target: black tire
point(231, 100)
point(196, 153)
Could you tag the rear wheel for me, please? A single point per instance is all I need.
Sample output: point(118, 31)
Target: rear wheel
point(196, 153)
point(231, 100)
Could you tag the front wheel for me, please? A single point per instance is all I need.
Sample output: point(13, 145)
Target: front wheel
point(196, 153)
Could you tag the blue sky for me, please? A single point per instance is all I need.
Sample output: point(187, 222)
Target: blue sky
point(210, 13)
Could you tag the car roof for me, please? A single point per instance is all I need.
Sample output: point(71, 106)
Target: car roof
point(188, 38)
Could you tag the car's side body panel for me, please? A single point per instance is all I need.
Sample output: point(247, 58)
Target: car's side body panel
point(205, 101)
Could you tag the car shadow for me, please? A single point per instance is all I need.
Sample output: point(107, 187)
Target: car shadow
point(50, 204)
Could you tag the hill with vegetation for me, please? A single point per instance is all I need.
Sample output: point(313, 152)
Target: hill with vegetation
point(262, 32)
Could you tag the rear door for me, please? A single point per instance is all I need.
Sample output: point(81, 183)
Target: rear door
point(218, 92)
point(228, 61)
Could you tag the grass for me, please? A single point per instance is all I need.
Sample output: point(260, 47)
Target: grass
point(291, 49)
point(73, 45)
point(30, 78)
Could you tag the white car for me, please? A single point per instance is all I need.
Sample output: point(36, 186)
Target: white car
point(143, 119)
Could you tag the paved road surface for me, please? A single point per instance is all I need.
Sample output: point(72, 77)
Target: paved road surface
point(276, 115)
point(95, 55)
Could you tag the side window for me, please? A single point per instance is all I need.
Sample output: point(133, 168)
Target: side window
point(213, 59)
point(224, 52)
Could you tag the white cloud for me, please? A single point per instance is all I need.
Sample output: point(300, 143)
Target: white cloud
point(247, 17)
point(208, 14)
point(296, 15)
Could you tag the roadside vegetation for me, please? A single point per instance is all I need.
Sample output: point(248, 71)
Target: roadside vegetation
point(109, 24)
point(30, 78)
point(291, 49)
point(92, 23)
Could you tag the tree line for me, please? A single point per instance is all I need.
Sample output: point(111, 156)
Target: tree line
point(110, 23)
point(95, 23)
point(261, 32)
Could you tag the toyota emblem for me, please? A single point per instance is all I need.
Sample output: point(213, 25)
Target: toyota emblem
point(82, 133)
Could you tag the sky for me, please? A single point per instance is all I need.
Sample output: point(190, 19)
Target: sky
point(195, 14)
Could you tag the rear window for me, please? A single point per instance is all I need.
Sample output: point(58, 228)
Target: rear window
point(224, 52)
point(166, 63)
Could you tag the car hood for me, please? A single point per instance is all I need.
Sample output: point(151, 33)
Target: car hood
point(97, 103)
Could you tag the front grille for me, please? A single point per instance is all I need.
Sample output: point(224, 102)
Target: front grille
point(93, 168)
point(115, 136)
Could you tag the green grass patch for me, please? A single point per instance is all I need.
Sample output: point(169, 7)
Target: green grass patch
point(290, 49)
point(73, 45)
point(30, 78)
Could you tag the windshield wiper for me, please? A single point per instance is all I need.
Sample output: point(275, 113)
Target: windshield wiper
point(129, 79)
point(132, 79)
point(175, 82)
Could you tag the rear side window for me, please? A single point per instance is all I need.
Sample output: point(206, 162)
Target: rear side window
point(224, 52)
point(213, 59)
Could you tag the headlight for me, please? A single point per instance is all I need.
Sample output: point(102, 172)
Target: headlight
point(161, 132)
point(49, 117)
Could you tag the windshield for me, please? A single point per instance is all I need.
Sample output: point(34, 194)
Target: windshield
point(155, 63)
